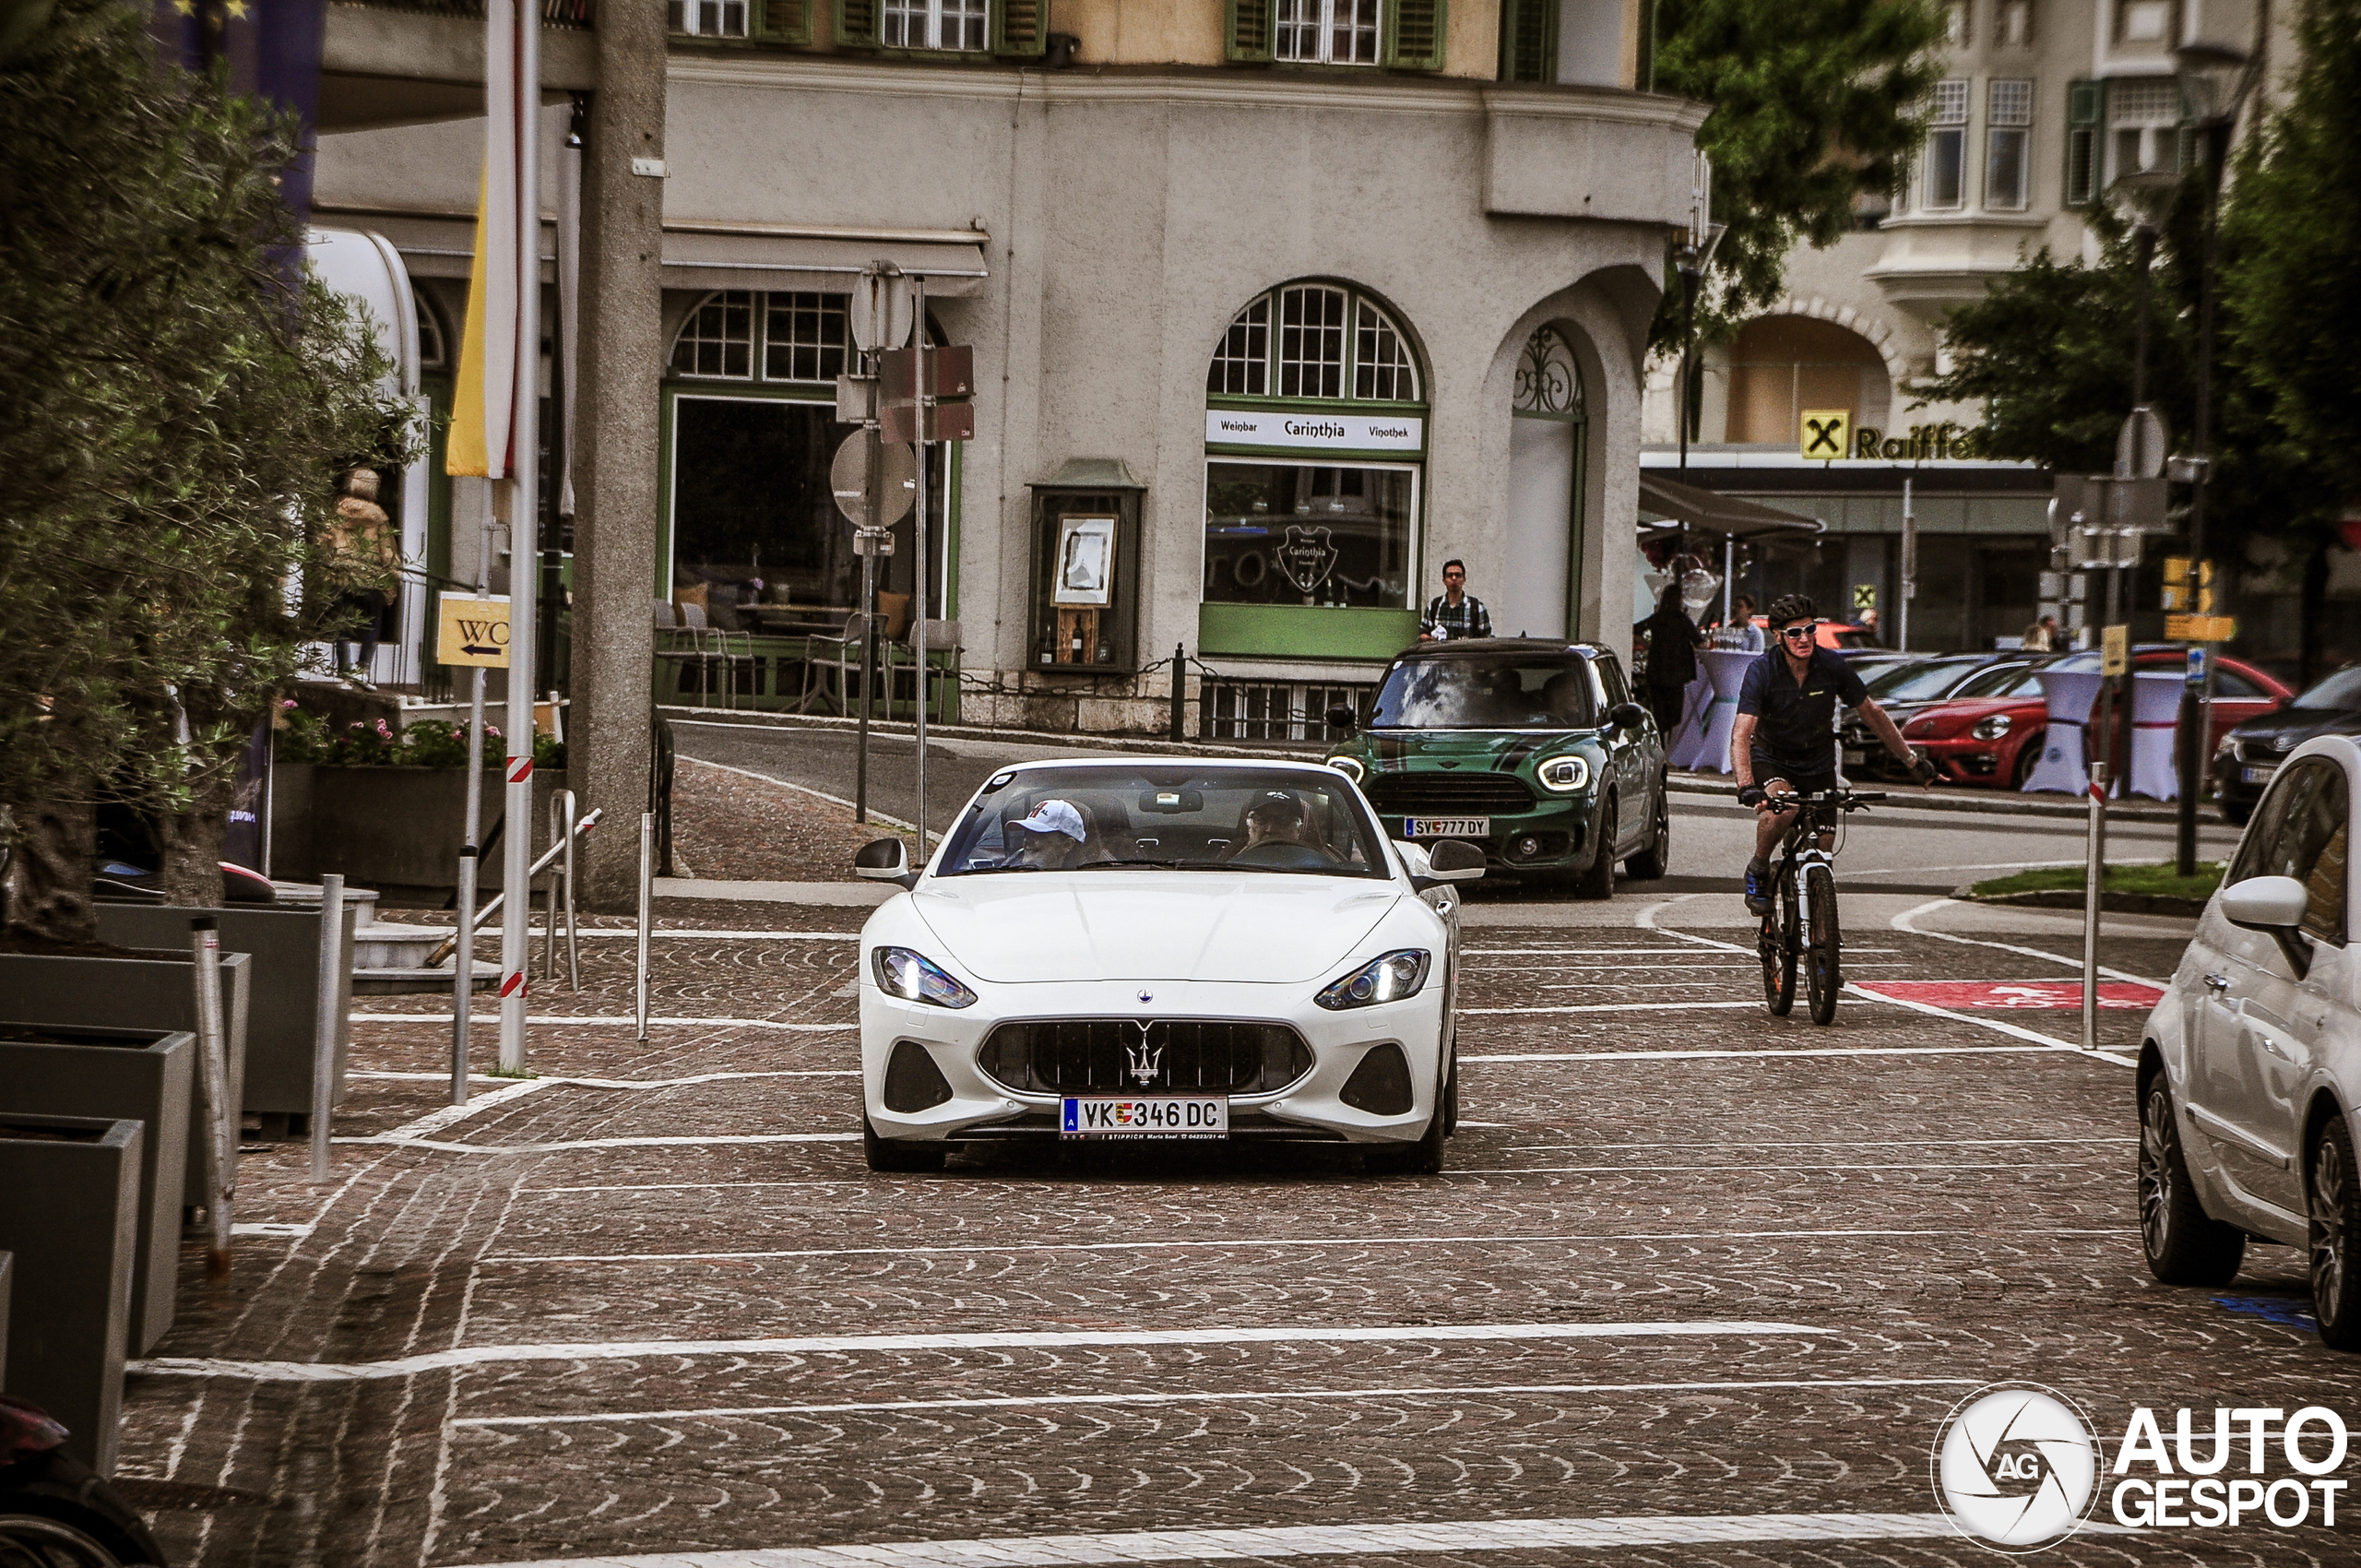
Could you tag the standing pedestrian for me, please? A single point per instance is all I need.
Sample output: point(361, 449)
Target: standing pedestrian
point(1742, 636)
point(1673, 641)
point(1455, 612)
point(362, 539)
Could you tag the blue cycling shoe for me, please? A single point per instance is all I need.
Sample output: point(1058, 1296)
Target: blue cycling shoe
point(1757, 892)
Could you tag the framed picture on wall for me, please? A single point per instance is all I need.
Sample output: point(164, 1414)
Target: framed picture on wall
point(1085, 567)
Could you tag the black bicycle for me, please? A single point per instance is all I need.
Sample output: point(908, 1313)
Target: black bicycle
point(1802, 925)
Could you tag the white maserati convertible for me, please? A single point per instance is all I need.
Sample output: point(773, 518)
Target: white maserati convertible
point(1140, 950)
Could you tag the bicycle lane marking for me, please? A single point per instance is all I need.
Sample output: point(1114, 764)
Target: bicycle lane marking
point(1645, 919)
point(1904, 923)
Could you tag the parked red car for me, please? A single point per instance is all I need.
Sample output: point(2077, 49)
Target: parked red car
point(1996, 738)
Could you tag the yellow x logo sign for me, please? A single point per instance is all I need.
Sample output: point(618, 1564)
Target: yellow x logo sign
point(1826, 432)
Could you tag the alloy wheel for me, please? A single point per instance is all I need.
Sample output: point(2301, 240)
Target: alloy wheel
point(2157, 1137)
point(2330, 1180)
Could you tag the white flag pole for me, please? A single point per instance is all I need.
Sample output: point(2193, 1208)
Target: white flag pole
point(522, 18)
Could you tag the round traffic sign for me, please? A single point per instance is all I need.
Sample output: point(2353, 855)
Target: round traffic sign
point(880, 311)
point(897, 469)
point(2141, 447)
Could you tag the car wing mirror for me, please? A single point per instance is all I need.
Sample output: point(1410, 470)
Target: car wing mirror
point(1449, 860)
point(884, 859)
point(1342, 716)
point(2275, 906)
point(1626, 715)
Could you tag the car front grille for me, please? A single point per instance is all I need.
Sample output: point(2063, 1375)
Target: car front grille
point(1171, 1056)
point(1447, 794)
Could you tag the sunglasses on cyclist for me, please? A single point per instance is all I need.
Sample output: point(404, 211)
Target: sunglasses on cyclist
point(1796, 634)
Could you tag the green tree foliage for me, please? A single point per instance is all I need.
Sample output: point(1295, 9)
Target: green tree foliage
point(2295, 226)
point(174, 409)
point(1815, 102)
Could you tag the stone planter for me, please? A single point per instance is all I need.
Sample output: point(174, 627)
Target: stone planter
point(154, 990)
point(118, 1074)
point(72, 1219)
point(283, 946)
point(397, 829)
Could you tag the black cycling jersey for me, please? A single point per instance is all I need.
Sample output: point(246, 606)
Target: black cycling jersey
point(1796, 720)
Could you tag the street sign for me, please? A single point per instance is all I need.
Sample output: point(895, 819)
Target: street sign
point(2140, 444)
point(950, 373)
point(849, 478)
point(2201, 629)
point(881, 309)
point(2115, 650)
point(473, 630)
point(1825, 434)
point(852, 398)
point(945, 421)
point(2179, 594)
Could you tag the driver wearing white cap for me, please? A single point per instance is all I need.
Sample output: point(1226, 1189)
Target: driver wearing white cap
point(1049, 839)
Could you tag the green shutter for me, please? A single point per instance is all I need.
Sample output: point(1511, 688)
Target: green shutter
point(1528, 42)
point(784, 21)
point(2085, 120)
point(856, 24)
point(1020, 26)
point(1249, 31)
point(1414, 35)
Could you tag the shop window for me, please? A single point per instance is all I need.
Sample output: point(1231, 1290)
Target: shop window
point(1242, 366)
point(706, 18)
point(957, 25)
point(804, 338)
point(430, 352)
point(1330, 32)
point(1381, 368)
point(1943, 183)
point(1311, 342)
point(1307, 533)
point(719, 338)
point(2008, 146)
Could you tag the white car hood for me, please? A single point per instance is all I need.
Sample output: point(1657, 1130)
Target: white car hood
point(1043, 926)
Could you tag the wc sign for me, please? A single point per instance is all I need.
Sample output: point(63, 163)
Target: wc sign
point(473, 630)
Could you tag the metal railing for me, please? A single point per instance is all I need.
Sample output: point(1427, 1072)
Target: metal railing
point(554, 13)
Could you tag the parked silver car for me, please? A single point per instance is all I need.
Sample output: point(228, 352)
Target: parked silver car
point(2251, 1067)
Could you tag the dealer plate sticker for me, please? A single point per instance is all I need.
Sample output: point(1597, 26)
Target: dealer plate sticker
point(1160, 1116)
point(1446, 828)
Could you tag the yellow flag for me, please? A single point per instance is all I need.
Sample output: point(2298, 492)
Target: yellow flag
point(464, 453)
point(483, 400)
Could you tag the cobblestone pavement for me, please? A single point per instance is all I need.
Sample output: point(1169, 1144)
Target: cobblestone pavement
point(1691, 1266)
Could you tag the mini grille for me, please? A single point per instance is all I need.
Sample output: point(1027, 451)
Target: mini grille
point(1446, 794)
point(1174, 1056)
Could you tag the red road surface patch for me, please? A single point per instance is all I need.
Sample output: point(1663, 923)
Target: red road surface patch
point(2119, 996)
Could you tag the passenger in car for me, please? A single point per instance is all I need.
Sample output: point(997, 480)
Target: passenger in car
point(1049, 838)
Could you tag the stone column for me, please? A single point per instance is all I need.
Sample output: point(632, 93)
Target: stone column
point(615, 474)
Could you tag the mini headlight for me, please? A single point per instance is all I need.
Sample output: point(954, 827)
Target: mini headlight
point(1390, 979)
point(1350, 766)
point(1992, 729)
point(915, 977)
point(1564, 775)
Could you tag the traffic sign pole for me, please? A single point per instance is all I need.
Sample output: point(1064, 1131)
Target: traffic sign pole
point(918, 582)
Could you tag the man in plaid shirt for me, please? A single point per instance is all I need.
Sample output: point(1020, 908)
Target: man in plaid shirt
point(1455, 612)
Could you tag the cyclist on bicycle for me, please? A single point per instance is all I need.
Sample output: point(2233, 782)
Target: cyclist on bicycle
point(1786, 733)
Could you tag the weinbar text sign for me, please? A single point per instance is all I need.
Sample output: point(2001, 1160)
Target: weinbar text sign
point(1339, 432)
point(473, 630)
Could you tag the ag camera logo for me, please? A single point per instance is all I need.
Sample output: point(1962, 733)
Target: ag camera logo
point(2016, 1466)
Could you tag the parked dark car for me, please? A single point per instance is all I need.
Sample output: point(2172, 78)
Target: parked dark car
point(2250, 752)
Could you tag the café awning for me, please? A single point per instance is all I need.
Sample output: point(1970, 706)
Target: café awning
point(1668, 502)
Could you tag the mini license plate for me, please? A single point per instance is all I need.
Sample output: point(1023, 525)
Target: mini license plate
point(2259, 775)
point(1856, 755)
point(1158, 1116)
point(1446, 828)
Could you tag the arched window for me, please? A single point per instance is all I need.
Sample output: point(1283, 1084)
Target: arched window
point(1549, 384)
point(802, 335)
point(1331, 343)
point(1543, 524)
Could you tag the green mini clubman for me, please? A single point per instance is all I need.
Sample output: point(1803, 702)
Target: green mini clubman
point(1531, 749)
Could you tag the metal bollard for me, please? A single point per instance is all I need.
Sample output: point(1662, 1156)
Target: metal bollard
point(646, 898)
point(560, 819)
point(2094, 877)
point(463, 980)
point(328, 1019)
point(221, 1116)
point(573, 925)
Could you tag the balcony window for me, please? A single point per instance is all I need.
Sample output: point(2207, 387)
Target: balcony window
point(1331, 32)
point(2007, 139)
point(706, 18)
point(1943, 186)
point(956, 25)
point(2143, 121)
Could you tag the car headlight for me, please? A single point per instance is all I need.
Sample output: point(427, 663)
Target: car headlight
point(1992, 729)
point(1564, 775)
point(1390, 979)
point(1350, 766)
point(913, 977)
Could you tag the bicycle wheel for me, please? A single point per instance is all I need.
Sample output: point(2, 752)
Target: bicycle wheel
point(1822, 974)
point(1776, 943)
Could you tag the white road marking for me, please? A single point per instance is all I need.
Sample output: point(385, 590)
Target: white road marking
point(1619, 952)
point(1596, 1007)
point(665, 933)
point(626, 1083)
point(874, 814)
point(275, 1230)
point(1604, 1533)
point(566, 1145)
point(1824, 1142)
point(443, 1020)
point(1904, 921)
point(1015, 1340)
point(1799, 1051)
point(1208, 1397)
point(435, 1120)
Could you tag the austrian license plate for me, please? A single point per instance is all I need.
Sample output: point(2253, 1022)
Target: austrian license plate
point(1855, 756)
point(2258, 774)
point(1160, 1116)
point(1446, 828)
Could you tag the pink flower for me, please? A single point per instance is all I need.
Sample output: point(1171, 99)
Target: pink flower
point(287, 702)
point(492, 728)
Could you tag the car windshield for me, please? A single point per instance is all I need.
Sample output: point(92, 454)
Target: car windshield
point(1507, 691)
point(1999, 681)
point(1174, 816)
point(2341, 690)
point(1919, 683)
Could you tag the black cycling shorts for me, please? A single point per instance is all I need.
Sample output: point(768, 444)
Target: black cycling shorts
point(1797, 778)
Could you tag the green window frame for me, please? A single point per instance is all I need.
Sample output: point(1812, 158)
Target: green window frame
point(1413, 35)
point(2085, 144)
point(1013, 29)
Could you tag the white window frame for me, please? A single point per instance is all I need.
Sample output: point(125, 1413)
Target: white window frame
point(795, 305)
point(966, 23)
point(2147, 108)
point(706, 18)
point(1946, 137)
point(1320, 25)
point(2008, 133)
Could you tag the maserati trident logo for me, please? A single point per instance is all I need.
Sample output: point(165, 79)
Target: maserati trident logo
point(1146, 1064)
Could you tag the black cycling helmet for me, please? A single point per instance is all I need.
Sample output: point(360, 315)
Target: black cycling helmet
point(1792, 607)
